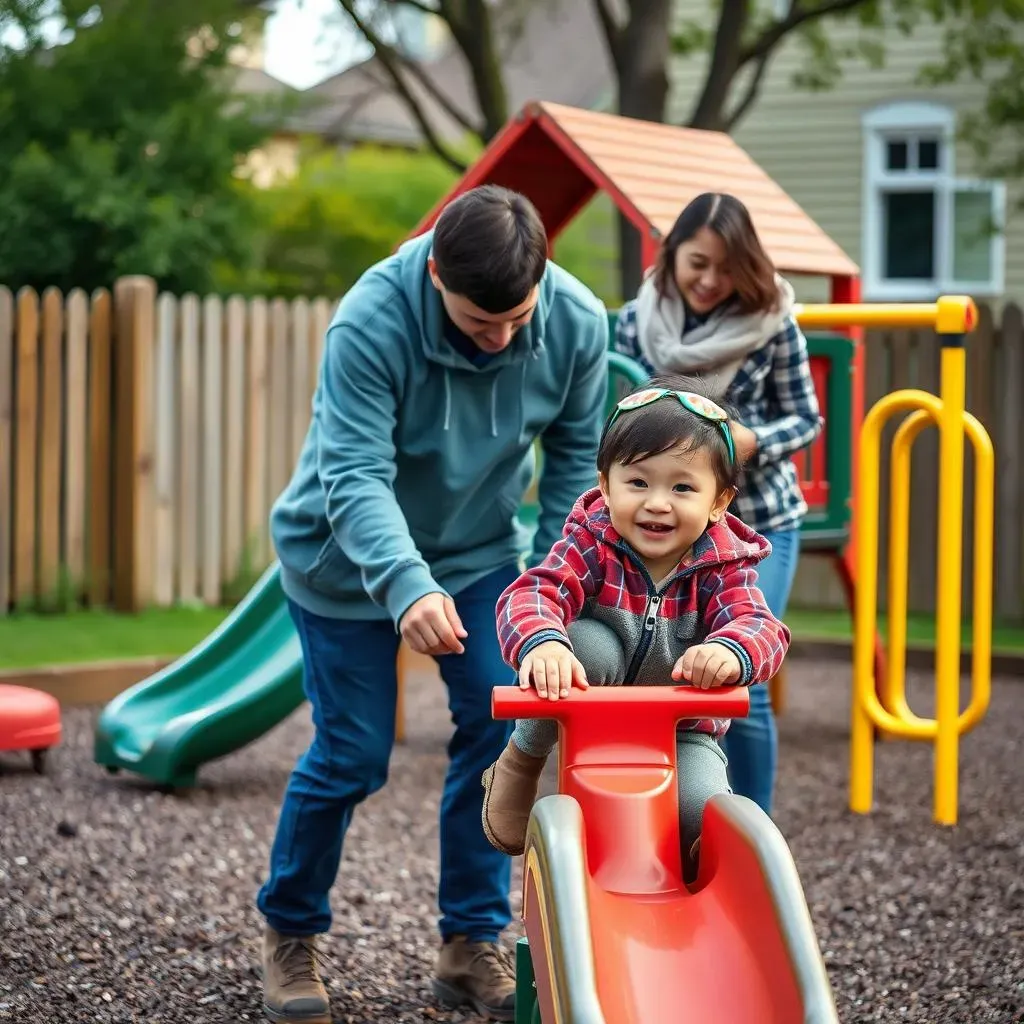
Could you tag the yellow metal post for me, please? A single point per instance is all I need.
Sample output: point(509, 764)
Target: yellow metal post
point(949, 575)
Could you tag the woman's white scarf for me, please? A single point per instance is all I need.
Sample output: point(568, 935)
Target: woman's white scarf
point(715, 349)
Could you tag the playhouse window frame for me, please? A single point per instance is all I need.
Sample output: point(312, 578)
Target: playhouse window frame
point(912, 124)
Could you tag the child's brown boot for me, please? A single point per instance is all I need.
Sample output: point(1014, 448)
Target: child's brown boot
point(510, 789)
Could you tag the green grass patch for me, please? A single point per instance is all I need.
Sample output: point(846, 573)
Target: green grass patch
point(814, 624)
point(30, 640)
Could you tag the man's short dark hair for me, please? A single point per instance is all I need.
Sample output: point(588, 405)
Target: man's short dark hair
point(490, 247)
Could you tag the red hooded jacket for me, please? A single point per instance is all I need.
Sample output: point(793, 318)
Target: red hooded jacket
point(711, 596)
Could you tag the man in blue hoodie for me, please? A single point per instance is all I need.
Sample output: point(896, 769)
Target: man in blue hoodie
point(442, 366)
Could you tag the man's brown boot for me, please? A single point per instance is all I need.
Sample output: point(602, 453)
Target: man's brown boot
point(292, 990)
point(510, 789)
point(477, 974)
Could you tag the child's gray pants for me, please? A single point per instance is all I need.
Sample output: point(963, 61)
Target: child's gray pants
point(702, 763)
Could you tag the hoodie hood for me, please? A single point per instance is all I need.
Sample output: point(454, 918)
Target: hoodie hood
point(728, 540)
point(428, 312)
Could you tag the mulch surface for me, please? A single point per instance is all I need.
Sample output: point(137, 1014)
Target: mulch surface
point(118, 903)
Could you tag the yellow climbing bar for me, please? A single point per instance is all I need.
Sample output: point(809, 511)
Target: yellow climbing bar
point(949, 314)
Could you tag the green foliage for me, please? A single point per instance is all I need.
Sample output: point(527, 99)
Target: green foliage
point(342, 212)
point(589, 248)
point(118, 153)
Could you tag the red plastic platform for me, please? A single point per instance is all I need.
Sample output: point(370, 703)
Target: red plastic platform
point(29, 720)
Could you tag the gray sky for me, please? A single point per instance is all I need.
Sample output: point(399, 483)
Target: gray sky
point(307, 40)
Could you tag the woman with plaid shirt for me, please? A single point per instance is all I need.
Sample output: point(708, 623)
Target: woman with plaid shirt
point(713, 305)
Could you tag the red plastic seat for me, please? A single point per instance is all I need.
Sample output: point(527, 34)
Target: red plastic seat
point(29, 720)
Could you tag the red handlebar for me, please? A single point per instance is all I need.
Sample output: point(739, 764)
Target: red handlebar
point(653, 702)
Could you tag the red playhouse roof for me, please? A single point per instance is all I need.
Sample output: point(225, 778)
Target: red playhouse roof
point(561, 156)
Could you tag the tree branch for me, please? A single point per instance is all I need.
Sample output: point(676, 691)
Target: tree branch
point(441, 99)
point(734, 117)
point(798, 15)
point(419, 5)
point(390, 61)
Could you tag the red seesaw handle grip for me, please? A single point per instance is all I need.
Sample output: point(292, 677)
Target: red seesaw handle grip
point(653, 702)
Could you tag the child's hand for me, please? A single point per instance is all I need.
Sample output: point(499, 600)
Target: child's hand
point(551, 668)
point(708, 665)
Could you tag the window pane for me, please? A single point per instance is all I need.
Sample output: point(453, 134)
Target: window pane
point(896, 155)
point(909, 235)
point(928, 154)
point(972, 236)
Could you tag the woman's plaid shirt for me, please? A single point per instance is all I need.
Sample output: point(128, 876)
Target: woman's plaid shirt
point(773, 394)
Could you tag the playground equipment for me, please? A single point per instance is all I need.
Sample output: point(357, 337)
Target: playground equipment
point(29, 720)
point(618, 937)
point(881, 702)
point(231, 688)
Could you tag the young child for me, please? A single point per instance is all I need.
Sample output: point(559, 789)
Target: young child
point(652, 583)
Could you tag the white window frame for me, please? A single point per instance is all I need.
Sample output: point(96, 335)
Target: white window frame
point(897, 121)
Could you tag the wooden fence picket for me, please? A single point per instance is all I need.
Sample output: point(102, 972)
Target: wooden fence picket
point(7, 349)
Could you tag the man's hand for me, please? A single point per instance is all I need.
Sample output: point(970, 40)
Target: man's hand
point(431, 625)
point(744, 439)
point(551, 668)
point(708, 665)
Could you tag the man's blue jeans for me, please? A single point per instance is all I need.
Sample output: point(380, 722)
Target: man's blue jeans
point(351, 683)
point(751, 744)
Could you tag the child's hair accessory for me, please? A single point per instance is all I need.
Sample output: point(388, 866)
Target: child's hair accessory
point(697, 404)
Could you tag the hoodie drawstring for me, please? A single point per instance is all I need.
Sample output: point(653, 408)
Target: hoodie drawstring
point(494, 398)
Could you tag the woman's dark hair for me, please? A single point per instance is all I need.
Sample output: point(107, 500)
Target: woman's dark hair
point(666, 424)
point(490, 247)
point(753, 273)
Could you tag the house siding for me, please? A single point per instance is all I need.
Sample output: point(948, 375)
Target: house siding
point(811, 142)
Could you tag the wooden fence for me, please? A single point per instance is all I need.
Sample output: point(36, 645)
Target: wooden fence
point(143, 438)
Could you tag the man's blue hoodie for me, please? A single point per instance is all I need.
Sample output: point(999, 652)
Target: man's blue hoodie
point(416, 460)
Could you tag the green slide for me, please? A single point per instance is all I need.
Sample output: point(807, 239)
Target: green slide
point(229, 690)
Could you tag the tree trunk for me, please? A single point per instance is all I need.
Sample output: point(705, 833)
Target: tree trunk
point(641, 57)
point(476, 38)
point(709, 111)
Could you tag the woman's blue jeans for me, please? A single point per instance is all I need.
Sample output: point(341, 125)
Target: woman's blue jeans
point(751, 744)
